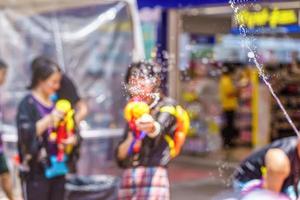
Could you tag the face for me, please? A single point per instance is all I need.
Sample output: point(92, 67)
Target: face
point(142, 88)
point(200, 70)
point(2, 76)
point(51, 84)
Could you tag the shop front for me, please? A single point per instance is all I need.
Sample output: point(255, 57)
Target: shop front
point(204, 51)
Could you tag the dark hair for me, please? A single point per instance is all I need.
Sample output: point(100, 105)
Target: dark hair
point(42, 68)
point(143, 69)
point(2, 65)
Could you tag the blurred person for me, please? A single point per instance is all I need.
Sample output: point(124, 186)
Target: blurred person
point(203, 88)
point(229, 103)
point(37, 118)
point(5, 177)
point(145, 159)
point(275, 167)
point(68, 91)
point(200, 95)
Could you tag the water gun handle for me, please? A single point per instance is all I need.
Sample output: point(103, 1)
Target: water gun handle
point(134, 110)
point(133, 147)
point(61, 135)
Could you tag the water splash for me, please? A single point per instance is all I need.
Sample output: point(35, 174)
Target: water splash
point(225, 176)
point(134, 89)
point(235, 5)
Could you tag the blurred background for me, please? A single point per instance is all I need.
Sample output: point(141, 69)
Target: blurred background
point(196, 42)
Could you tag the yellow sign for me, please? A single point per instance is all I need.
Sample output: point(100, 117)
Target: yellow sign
point(267, 17)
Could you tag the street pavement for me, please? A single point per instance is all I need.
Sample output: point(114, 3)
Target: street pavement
point(205, 177)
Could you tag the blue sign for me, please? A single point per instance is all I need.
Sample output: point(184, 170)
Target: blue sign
point(264, 30)
point(177, 3)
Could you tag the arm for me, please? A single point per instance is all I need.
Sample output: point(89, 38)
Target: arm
point(31, 128)
point(48, 121)
point(26, 126)
point(163, 123)
point(43, 124)
point(81, 111)
point(167, 122)
point(278, 168)
point(122, 151)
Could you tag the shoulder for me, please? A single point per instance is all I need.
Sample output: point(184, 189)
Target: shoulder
point(167, 101)
point(26, 102)
point(288, 144)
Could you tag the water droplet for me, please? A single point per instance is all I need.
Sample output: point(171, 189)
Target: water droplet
point(251, 55)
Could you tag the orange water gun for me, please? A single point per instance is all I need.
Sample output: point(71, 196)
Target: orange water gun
point(176, 142)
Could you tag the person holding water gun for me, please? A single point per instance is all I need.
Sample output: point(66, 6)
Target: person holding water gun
point(275, 167)
point(44, 136)
point(69, 91)
point(154, 135)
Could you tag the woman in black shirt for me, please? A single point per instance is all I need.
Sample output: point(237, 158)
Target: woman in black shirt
point(35, 121)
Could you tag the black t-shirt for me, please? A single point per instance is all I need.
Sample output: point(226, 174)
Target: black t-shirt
point(68, 90)
point(251, 167)
point(28, 143)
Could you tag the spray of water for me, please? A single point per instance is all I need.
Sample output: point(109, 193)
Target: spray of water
point(252, 56)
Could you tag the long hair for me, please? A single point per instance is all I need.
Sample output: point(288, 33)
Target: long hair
point(42, 68)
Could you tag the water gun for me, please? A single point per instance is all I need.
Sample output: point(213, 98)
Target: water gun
point(57, 168)
point(176, 142)
point(134, 110)
point(182, 129)
point(64, 129)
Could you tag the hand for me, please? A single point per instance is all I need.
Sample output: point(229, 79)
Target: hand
point(56, 116)
point(130, 137)
point(145, 124)
point(72, 140)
